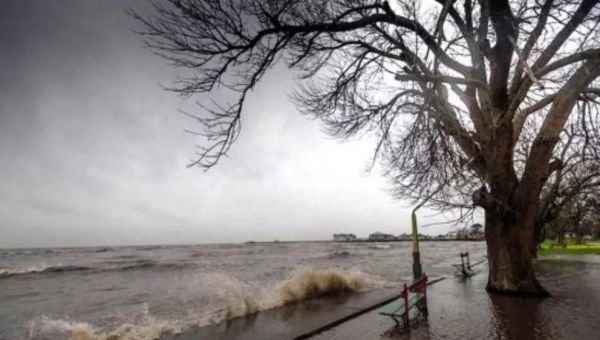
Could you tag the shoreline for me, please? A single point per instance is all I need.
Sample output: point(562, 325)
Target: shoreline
point(462, 309)
point(459, 309)
point(121, 246)
point(363, 241)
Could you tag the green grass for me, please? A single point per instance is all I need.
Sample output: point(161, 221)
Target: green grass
point(551, 247)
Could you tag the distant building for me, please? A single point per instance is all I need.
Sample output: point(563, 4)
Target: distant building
point(405, 236)
point(452, 235)
point(424, 237)
point(382, 237)
point(344, 237)
point(472, 233)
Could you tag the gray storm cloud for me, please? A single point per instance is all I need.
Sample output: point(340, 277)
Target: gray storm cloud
point(92, 150)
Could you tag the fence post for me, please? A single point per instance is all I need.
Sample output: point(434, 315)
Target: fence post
point(468, 261)
point(425, 308)
point(406, 320)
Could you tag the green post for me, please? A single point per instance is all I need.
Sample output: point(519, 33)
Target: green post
point(417, 271)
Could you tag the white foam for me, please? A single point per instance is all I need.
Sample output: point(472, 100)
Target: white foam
point(19, 271)
point(302, 284)
point(144, 328)
point(238, 299)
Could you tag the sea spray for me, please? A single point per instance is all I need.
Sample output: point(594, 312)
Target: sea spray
point(144, 327)
point(308, 283)
point(237, 299)
point(302, 284)
point(57, 327)
point(8, 272)
point(115, 265)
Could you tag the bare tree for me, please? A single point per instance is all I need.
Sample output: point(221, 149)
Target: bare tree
point(447, 86)
point(577, 217)
point(577, 176)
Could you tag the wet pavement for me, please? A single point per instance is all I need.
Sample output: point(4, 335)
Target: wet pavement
point(292, 321)
point(459, 309)
point(463, 310)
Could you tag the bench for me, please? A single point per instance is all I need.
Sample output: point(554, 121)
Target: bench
point(411, 296)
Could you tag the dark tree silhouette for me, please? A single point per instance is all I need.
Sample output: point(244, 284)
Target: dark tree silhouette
point(469, 98)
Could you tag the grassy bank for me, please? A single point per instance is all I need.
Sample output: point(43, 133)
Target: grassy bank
point(551, 247)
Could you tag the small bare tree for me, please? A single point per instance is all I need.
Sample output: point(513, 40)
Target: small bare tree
point(449, 87)
point(577, 218)
point(577, 176)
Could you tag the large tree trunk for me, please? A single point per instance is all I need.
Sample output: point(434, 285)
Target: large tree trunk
point(537, 239)
point(509, 257)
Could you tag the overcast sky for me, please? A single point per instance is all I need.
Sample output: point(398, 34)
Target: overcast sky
point(92, 150)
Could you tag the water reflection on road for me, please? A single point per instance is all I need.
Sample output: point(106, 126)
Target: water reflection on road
point(463, 310)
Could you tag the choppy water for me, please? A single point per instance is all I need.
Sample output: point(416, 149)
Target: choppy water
point(139, 292)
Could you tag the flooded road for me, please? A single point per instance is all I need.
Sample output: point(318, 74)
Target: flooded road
point(463, 309)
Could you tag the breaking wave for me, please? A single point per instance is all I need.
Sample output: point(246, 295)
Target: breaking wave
point(302, 284)
point(238, 299)
point(308, 283)
point(124, 266)
point(8, 272)
point(144, 327)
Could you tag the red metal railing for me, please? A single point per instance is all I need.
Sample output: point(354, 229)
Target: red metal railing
point(419, 287)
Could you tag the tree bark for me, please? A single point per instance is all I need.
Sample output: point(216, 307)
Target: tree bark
point(509, 256)
point(535, 240)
